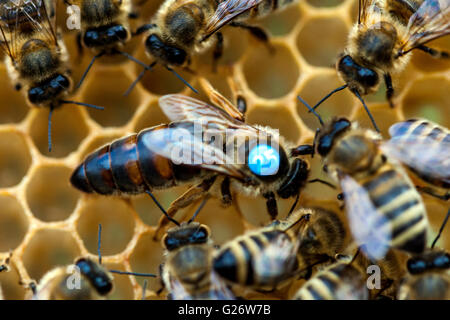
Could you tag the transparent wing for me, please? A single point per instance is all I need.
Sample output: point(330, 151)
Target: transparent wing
point(429, 22)
point(219, 289)
point(277, 260)
point(227, 11)
point(365, 220)
point(426, 157)
point(185, 147)
point(177, 290)
point(18, 17)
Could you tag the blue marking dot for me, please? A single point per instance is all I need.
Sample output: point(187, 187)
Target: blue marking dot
point(264, 160)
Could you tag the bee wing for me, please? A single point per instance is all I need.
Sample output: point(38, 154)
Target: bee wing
point(177, 290)
point(226, 11)
point(363, 9)
point(425, 156)
point(184, 147)
point(429, 22)
point(277, 260)
point(39, 14)
point(219, 289)
point(365, 220)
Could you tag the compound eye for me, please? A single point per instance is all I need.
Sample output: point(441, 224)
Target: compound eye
point(201, 235)
point(264, 160)
point(171, 243)
point(153, 42)
point(177, 56)
point(416, 266)
point(442, 261)
point(368, 77)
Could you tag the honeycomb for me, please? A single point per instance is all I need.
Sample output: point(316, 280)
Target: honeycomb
point(45, 222)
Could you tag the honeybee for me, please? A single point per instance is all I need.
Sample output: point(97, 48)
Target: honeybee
point(429, 274)
point(182, 29)
point(340, 281)
point(381, 41)
point(209, 147)
point(409, 140)
point(105, 28)
point(187, 272)
point(267, 258)
point(383, 206)
point(37, 60)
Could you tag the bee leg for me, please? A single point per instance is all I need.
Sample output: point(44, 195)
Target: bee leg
point(257, 32)
point(271, 204)
point(433, 193)
point(438, 54)
point(143, 29)
point(133, 15)
point(389, 89)
point(192, 194)
point(387, 283)
point(18, 87)
point(227, 199)
point(79, 46)
point(218, 50)
point(163, 286)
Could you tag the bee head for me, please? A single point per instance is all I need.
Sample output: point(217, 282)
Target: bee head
point(431, 260)
point(186, 234)
point(359, 78)
point(105, 35)
point(168, 54)
point(48, 91)
point(98, 277)
point(328, 135)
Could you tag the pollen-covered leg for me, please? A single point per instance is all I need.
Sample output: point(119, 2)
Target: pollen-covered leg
point(434, 193)
point(271, 204)
point(258, 32)
point(218, 51)
point(192, 194)
point(438, 54)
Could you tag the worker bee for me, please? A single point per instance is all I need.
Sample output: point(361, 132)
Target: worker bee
point(267, 258)
point(182, 29)
point(209, 147)
point(429, 274)
point(340, 281)
point(381, 41)
point(187, 272)
point(408, 141)
point(105, 28)
point(37, 59)
point(383, 206)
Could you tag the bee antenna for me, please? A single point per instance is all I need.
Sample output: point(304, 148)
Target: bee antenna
point(161, 208)
point(49, 132)
point(99, 243)
point(144, 288)
point(441, 229)
point(329, 95)
point(137, 274)
point(82, 104)
point(181, 78)
point(294, 204)
point(130, 57)
point(139, 77)
point(311, 110)
point(89, 68)
point(367, 110)
point(199, 208)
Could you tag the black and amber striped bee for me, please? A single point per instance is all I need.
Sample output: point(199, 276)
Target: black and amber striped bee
point(429, 274)
point(207, 146)
point(181, 29)
point(187, 272)
point(340, 281)
point(37, 59)
point(105, 27)
point(381, 42)
point(267, 258)
point(383, 206)
point(424, 147)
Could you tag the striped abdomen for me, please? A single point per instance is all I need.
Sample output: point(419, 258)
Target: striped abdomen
point(430, 142)
point(397, 200)
point(338, 282)
point(264, 8)
point(249, 260)
point(128, 166)
point(429, 286)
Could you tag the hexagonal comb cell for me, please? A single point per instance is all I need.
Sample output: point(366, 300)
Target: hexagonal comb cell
point(15, 158)
point(122, 287)
point(47, 249)
point(116, 218)
point(151, 116)
point(49, 195)
point(13, 223)
point(68, 129)
point(282, 22)
point(321, 40)
point(325, 3)
point(14, 109)
point(11, 288)
point(270, 75)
